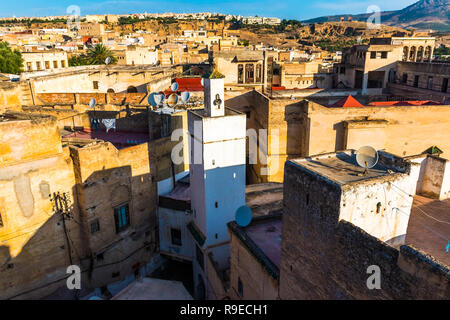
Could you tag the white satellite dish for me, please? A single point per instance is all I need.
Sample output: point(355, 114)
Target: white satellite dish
point(155, 99)
point(366, 157)
point(185, 96)
point(174, 86)
point(92, 103)
point(172, 100)
point(243, 216)
point(108, 60)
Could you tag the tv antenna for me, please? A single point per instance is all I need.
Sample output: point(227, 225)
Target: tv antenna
point(366, 157)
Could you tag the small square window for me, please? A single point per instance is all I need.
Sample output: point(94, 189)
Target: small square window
point(384, 55)
point(176, 237)
point(95, 226)
point(373, 54)
point(95, 83)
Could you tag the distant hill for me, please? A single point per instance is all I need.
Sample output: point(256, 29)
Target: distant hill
point(422, 15)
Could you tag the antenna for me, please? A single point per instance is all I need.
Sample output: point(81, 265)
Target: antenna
point(155, 99)
point(185, 96)
point(172, 100)
point(92, 103)
point(243, 216)
point(174, 86)
point(366, 157)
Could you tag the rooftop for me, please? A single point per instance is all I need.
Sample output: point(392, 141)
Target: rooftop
point(154, 289)
point(340, 167)
point(429, 227)
point(119, 139)
point(264, 198)
point(263, 239)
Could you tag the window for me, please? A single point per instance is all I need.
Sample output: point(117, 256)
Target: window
point(55, 64)
point(63, 63)
point(249, 73)
point(430, 83)
point(38, 65)
point(95, 226)
point(258, 73)
point(342, 70)
point(240, 73)
point(240, 288)
point(373, 54)
point(176, 237)
point(122, 218)
point(29, 66)
point(199, 256)
point(384, 54)
point(444, 87)
point(1, 221)
point(47, 64)
point(95, 83)
point(416, 81)
point(378, 207)
point(405, 78)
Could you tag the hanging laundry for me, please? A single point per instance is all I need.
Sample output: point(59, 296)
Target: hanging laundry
point(109, 124)
point(95, 124)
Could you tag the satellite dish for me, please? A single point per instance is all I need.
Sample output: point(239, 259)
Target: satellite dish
point(174, 86)
point(185, 96)
point(367, 157)
point(92, 103)
point(243, 216)
point(172, 100)
point(155, 99)
point(108, 60)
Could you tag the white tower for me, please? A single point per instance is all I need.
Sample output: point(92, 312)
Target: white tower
point(217, 179)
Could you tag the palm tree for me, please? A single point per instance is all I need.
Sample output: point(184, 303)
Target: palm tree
point(98, 54)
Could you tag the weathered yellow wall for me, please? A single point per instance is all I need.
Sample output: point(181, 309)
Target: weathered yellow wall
point(33, 247)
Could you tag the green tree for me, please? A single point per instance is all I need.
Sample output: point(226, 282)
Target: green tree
point(79, 60)
point(98, 54)
point(11, 61)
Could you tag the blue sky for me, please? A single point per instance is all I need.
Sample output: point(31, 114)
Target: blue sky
point(289, 9)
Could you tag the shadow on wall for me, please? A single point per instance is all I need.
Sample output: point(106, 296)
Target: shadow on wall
point(115, 250)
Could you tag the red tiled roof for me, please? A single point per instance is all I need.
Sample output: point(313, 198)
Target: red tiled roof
point(347, 102)
point(405, 103)
point(186, 84)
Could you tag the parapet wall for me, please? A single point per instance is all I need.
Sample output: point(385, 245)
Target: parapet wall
point(324, 258)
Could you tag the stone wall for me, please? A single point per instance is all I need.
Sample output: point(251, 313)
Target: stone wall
point(34, 251)
point(257, 283)
point(324, 258)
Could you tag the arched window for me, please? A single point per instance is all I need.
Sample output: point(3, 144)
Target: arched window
point(258, 73)
point(240, 73)
point(412, 54)
point(405, 53)
point(132, 89)
point(427, 55)
point(110, 91)
point(419, 54)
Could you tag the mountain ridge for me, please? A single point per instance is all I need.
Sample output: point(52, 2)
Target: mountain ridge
point(422, 15)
